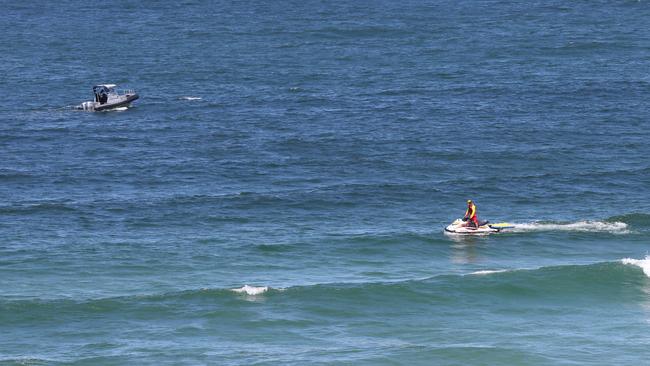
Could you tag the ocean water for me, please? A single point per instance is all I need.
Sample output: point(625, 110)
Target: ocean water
point(278, 194)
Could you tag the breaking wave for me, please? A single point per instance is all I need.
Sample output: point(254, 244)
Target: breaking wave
point(644, 264)
point(251, 290)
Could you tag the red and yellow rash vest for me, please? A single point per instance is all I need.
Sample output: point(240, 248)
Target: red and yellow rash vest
point(471, 212)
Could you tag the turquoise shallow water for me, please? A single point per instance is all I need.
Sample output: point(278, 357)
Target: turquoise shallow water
point(278, 194)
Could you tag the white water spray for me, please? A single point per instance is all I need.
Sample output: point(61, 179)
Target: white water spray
point(251, 290)
point(580, 226)
point(644, 264)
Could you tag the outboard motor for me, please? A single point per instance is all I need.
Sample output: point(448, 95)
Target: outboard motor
point(87, 106)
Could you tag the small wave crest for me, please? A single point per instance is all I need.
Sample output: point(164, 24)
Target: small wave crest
point(251, 290)
point(644, 264)
point(580, 226)
point(487, 272)
point(636, 220)
point(190, 98)
point(38, 207)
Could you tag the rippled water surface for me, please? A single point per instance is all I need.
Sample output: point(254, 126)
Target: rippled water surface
point(278, 194)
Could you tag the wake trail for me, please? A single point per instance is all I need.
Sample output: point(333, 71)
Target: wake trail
point(580, 226)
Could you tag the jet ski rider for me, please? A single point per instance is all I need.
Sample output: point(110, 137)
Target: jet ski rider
point(470, 215)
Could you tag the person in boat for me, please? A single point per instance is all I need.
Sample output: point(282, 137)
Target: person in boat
point(103, 97)
point(470, 215)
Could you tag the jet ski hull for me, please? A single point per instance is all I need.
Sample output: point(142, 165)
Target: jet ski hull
point(458, 228)
point(481, 230)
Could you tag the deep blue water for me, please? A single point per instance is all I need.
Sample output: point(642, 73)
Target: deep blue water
point(278, 194)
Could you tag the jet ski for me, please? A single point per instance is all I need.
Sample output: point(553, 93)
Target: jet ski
point(485, 228)
point(106, 97)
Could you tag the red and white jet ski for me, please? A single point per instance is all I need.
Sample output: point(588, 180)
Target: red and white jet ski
point(460, 227)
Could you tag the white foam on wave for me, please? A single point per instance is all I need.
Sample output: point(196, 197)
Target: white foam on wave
point(643, 263)
point(191, 98)
point(487, 272)
point(251, 290)
point(580, 226)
